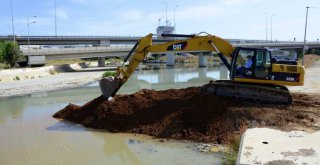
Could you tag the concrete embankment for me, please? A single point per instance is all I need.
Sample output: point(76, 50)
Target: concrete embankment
point(9, 75)
point(269, 146)
point(33, 80)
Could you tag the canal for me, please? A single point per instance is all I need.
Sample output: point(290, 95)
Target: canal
point(29, 134)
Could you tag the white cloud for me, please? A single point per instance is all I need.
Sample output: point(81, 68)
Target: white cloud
point(132, 15)
point(62, 14)
point(239, 2)
point(82, 2)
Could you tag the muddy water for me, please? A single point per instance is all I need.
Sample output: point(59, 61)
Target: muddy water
point(29, 135)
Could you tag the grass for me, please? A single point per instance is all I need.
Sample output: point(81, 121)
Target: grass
point(64, 61)
point(53, 72)
point(232, 154)
point(3, 66)
point(109, 73)
point(17, 78)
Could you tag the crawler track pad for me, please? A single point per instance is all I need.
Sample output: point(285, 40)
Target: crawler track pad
point(273, 94)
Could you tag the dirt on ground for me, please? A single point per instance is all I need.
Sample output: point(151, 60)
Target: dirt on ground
point(189, 114)
point(310, 59)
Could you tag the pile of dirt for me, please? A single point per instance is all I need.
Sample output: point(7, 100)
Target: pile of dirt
point(189, 114)
point(310, 59)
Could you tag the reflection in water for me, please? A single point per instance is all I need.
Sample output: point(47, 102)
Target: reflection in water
point(12, 108)
point(180, 75)
point(160, 78)
point(29, 135)
point(117, 147)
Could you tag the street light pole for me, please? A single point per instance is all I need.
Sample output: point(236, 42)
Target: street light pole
point(55, 17)
point(14, 37)
point(305, 35)
point(271, 27)
point(174, 17)
point(165, 2)
point(266, 26)
point(28, 23)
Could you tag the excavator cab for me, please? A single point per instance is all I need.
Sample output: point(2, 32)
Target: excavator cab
point(256, 65)
point(251, 63)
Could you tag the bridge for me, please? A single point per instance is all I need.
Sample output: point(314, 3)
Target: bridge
point(121, 50)
point(281, 45)
point(78, 52)
point(79, 40)
point(95, 40)
point(71, 47)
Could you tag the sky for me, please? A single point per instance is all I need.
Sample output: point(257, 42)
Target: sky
point(231, 19)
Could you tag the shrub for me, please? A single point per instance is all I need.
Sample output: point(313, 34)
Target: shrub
point(10, 53)
point(109, 73)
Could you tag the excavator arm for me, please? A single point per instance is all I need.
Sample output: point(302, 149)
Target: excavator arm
point(208, 43)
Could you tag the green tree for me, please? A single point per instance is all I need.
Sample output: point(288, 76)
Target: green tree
point(1, 51)
point(10, 53)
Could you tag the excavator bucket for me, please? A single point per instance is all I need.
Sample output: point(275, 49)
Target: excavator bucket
point(108, 86)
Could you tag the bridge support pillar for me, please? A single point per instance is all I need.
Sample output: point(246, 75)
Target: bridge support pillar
point(101, 62)
point(202, 60)
point(224, 72)
point(170, 59)
point(202, 73)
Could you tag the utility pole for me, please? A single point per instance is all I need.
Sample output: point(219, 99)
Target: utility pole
point(305, 35)
point(166, 14)
point(266, 26)
point(13, 35)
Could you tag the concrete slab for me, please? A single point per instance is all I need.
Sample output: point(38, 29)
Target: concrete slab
point(268, 146)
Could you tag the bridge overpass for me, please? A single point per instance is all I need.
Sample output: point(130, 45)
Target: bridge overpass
point(121, 51)
point(281, 45)
point(80, 52)
point(79, 40)
point(96, 40)
point(119, 46)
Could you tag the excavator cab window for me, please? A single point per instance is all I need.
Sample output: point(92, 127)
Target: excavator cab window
point(263, 64)
point(245, 62)
point(252, 63)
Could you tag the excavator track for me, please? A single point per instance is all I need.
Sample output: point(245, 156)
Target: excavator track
point(274, 94)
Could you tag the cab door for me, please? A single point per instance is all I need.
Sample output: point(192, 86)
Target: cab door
point(262, 64)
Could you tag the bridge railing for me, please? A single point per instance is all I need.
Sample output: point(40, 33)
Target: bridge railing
point(32, 50)
point(277, 44)
point(73, 49)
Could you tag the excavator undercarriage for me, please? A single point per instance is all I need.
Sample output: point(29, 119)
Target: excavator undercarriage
point(265, 93)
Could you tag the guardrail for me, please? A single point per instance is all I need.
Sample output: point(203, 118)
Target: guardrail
point(63, 50)
point(120, 48)
point(278, 44)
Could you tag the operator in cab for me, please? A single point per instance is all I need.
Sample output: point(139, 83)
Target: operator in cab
point(246, 69)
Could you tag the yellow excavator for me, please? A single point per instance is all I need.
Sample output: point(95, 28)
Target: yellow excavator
point(254, 74)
